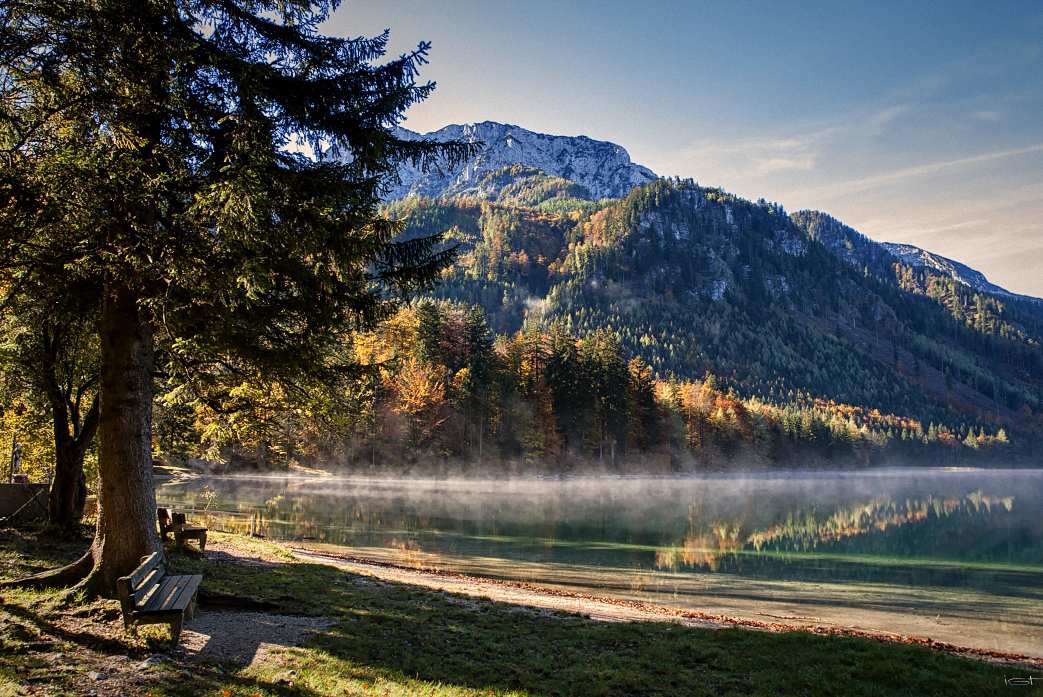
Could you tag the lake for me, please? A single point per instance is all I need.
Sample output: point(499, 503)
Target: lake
point(955, 555)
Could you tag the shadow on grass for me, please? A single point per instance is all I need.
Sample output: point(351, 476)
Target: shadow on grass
point(420, 638)
point(412, 633)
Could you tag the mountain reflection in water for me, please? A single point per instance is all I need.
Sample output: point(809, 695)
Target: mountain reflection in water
point(952, 555)
point(805, 525)
point(977, 526)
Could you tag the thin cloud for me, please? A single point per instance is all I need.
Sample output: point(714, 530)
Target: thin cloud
point(950, 228)
point(781, 164)
point(877, 181)
point(989, 115)
point(759, 155)
point(795, 153)
point(888, 115)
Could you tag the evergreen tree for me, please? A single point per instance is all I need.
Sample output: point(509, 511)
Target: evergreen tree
point(643, 410)
point(217, 253)
point(563, 376)
point(479, 375)
point(430, 331)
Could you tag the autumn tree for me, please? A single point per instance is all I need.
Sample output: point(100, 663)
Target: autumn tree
point(217, 251)
point(51, 355)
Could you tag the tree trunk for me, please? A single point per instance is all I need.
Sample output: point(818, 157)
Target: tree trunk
point(69, 488)
point(126, 529)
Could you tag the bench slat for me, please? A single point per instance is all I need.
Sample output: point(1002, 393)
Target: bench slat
point(173, 595)
point(181, 524)
point(156, 599)
point(147, 565)
point(187, 591)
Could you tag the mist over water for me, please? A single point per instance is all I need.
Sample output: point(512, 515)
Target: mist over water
point(920, 541)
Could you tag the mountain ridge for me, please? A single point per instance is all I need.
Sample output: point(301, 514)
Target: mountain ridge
point(781, 307)
point(605, 171)
point(602, 167)
point(917, 256)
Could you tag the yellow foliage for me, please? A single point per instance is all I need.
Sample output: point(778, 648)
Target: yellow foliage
point(32, 427)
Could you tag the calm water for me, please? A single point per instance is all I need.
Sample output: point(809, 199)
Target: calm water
point(954, 554)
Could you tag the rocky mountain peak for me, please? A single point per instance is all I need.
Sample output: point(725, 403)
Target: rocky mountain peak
point(603, 168)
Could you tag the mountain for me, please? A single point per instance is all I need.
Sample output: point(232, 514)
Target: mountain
point(858, 250)
point(782, 308)
point(604, 169)
point(914, 256)
point(511, 156)
point(797, 310)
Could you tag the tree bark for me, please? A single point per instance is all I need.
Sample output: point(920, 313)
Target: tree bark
point(73, 431)
point(69, 488)
point(126, 529)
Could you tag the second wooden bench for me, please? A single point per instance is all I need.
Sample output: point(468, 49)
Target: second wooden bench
point(171, 521)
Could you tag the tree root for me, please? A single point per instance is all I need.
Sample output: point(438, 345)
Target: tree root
point(92, 584)
point(74, 575)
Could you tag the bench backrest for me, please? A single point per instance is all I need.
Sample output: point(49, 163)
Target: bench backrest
point(143, 579)
point(179, 521)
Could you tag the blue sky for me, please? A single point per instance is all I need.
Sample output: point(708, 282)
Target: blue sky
point(916, 122)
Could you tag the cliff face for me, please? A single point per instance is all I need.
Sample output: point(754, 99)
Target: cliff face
point(603, 168)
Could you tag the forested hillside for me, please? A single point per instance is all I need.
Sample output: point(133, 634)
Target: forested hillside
point(792, 311)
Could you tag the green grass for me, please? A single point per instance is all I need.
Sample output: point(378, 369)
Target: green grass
point(395, 639)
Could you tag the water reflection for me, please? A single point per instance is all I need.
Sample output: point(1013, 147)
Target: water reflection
point(978, 527)
point(904, 546)
point(805, 527)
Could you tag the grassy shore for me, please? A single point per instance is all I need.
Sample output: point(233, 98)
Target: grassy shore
point(396, 639)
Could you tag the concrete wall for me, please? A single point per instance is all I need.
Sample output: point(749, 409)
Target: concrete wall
point(14, 497)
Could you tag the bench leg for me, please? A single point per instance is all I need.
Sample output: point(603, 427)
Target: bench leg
point(175, 629)
point(190, 611)
point(202, 542)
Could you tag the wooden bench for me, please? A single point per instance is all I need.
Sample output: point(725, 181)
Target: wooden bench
point(150, 596)
point(171, 521)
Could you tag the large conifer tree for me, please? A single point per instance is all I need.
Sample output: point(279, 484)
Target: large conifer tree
point(145, 146)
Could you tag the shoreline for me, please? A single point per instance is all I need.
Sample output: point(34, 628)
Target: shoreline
point(622, 610)
point(286, 618)
point(362, 474)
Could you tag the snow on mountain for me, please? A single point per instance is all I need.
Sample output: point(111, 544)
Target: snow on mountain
point(914, 256)
point(859, 251)
point(603, 168)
